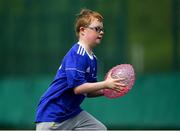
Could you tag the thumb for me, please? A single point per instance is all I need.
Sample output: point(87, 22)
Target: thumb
point(109, 74)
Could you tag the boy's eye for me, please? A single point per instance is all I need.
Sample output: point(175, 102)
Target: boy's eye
point(98, 29)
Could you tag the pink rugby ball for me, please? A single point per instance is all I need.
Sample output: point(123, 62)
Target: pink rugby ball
point(121, 71)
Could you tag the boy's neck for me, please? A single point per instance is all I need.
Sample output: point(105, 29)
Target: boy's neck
point(86, 46)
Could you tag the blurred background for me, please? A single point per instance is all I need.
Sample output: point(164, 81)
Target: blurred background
point(36, 34)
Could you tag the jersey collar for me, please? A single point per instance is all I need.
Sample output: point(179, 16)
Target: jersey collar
point(90, 55)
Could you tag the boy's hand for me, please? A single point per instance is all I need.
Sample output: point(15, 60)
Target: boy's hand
point(114, 84)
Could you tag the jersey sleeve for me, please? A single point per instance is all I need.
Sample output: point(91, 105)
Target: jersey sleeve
point(75, 67)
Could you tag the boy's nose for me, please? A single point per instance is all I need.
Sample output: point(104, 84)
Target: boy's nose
point(102, 32)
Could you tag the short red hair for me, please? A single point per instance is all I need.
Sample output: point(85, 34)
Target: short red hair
point(84, 19)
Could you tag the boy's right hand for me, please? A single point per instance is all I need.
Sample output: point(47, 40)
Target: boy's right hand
point(114, 84)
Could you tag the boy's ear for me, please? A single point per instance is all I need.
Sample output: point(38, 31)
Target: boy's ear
point(81, 30)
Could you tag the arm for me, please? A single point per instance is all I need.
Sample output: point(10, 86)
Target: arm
point(95, 88)
point(95, 94)
point(89, 87)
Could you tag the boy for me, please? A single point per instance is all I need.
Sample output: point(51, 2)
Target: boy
point(59, 107)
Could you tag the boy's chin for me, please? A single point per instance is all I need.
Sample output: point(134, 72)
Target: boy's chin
point(98, 41)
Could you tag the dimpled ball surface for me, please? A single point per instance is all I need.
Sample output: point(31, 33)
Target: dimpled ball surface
point(121, 71)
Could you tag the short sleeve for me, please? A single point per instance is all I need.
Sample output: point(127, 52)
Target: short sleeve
point(75, 67)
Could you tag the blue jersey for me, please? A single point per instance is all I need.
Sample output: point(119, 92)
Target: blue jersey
point(59, 102)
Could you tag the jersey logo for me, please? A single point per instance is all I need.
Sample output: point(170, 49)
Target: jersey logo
point(81, 51)
point(88, 70)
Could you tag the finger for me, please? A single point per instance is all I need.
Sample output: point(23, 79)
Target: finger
point(122, 78)
point(121, 84)
point(116, 89)
point(119, 89)
point(109, 74)
point(119, 79)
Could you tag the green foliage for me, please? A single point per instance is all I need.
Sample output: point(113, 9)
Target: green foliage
point(35, 35)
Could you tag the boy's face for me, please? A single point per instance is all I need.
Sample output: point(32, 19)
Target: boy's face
point(94, 32)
